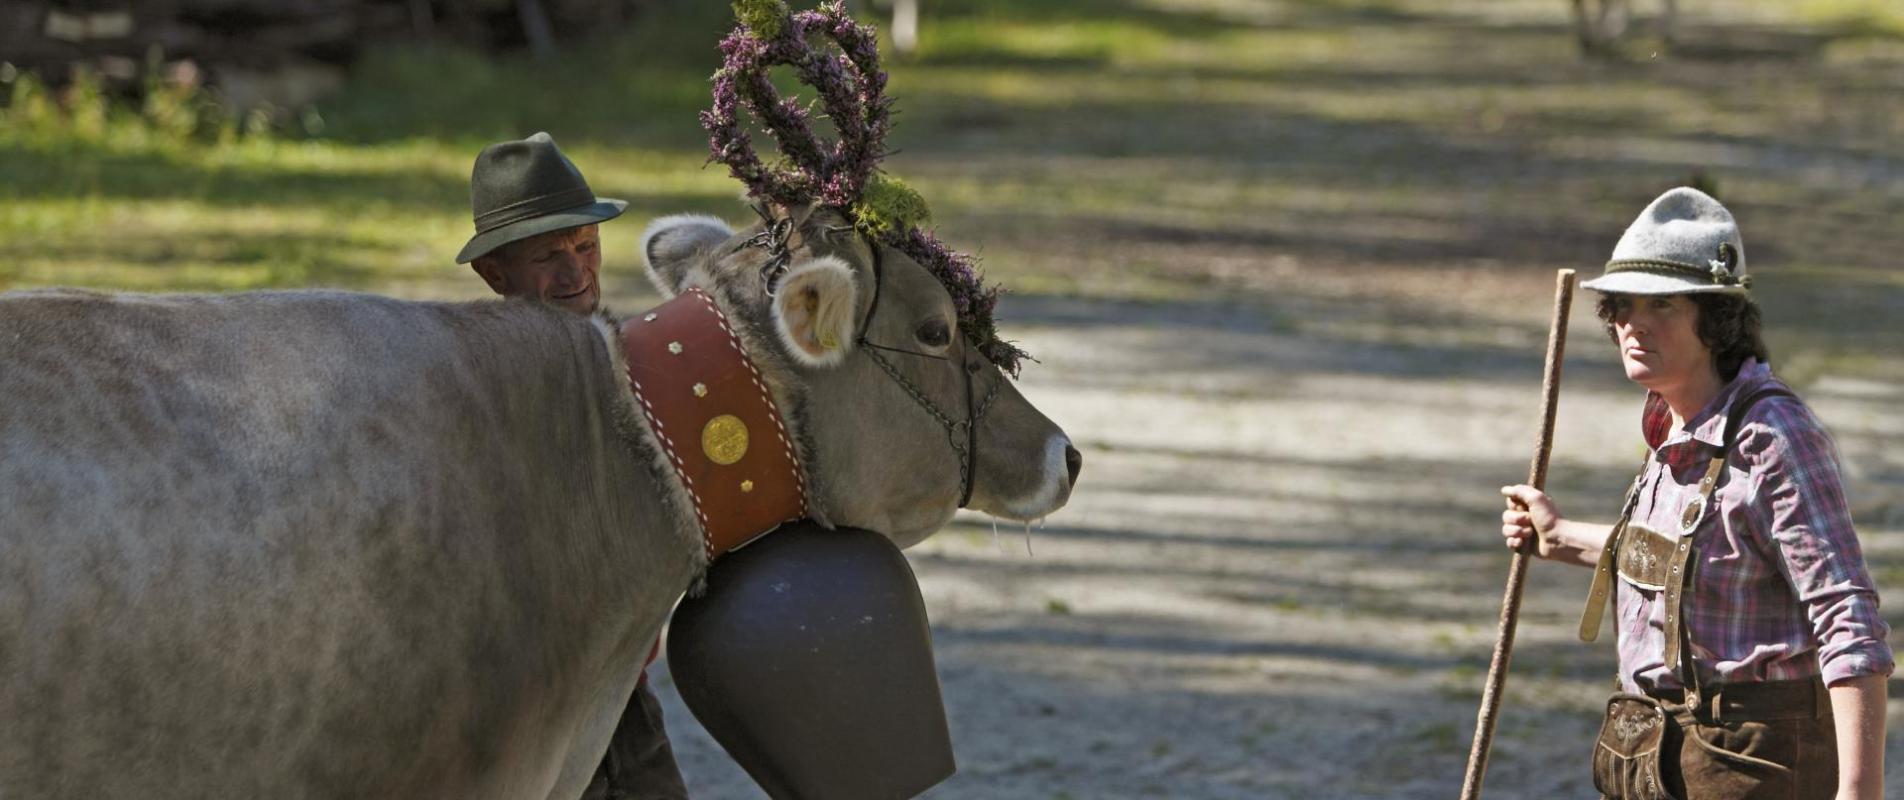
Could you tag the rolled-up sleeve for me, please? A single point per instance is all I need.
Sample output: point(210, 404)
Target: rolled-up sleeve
point(1795, 467)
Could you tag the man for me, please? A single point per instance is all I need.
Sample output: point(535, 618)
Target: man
point(1752, 658)
point(536, 225)
point(536, 238)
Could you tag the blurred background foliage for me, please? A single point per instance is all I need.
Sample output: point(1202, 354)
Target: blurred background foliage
point(1399, 152)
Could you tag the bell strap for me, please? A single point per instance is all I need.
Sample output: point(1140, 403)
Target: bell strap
point(714, 417)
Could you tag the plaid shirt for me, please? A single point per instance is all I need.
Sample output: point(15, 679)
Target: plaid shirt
point(1779, 589)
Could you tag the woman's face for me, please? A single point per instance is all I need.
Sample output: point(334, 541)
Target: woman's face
point(1659, 340)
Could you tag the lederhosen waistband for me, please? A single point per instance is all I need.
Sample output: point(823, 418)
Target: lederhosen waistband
point(1650, 560)
point(1764, 701)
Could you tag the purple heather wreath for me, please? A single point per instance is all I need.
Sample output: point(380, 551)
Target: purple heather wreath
point(845, 175)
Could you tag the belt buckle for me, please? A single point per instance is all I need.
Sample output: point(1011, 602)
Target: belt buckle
point(1672, 701)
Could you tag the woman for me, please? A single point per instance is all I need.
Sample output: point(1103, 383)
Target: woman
point(1752, 657)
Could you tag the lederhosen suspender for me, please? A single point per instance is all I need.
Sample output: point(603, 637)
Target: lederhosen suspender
point(1639, 553)
point(1602, 587)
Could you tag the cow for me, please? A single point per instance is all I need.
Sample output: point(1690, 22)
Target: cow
point(318, 544)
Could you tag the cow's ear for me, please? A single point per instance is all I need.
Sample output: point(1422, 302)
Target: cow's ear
point(675, 246)
point(814, 310)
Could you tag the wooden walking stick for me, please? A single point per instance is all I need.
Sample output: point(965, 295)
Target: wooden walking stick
point(1517, 573)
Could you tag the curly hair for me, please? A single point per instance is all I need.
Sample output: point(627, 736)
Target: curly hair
point(1727, 324)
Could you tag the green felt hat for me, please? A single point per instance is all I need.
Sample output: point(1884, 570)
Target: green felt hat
point(527, 187)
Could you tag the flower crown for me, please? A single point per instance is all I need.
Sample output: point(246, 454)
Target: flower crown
point(844, 174)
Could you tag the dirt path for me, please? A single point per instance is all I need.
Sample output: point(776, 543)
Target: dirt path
point(1286, 264)
point(1278, 577)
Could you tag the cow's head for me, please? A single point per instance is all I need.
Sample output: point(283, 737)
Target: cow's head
point(868, 362)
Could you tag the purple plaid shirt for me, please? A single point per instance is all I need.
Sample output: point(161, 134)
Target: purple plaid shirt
point(1779, 590)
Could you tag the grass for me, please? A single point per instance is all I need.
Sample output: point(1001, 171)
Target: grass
point(1363, 152)
point(95, 194)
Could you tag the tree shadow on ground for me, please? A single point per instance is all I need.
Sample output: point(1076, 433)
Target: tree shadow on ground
point(1132, 705)
point(1206, 337)
point(1411, 540)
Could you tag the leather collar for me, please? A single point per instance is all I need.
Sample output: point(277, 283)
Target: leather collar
point(713, 416)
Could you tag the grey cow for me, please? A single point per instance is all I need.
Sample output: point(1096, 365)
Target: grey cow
point(331, 545)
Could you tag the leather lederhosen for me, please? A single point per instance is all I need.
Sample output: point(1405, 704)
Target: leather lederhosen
point(1721, 742)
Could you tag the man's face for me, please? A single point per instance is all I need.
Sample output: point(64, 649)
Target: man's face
point(560, 267)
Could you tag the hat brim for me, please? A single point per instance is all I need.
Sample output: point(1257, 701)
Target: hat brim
point(1638, 282)
point(602, 210)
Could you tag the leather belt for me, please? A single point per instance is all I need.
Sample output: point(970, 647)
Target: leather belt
point(1762, 701)
point(714, 417)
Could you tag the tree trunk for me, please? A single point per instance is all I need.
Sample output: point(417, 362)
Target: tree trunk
point(535, 27)
point(905, 25)
point(1583, 28)
point(422, 19)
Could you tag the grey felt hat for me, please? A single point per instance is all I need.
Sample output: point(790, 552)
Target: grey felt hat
point(1683, 242)
point(526, 187)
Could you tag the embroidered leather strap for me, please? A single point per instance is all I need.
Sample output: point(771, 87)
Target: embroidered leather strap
point(1645, 557)
point(713, 416)
point(1677, 576)
point(1602, 588)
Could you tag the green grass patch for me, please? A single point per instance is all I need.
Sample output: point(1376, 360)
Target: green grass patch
point(1876, 18)
point(1153, 149)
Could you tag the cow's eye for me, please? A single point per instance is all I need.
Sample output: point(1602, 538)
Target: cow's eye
point(935, 333)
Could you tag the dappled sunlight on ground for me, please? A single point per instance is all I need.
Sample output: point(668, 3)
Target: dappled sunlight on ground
point(1280, 573)
point(1287, 266)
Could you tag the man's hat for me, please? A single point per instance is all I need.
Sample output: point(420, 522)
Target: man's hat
point(1684, 242)
point(523, 188)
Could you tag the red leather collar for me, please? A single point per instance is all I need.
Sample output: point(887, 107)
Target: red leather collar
point(713, 416)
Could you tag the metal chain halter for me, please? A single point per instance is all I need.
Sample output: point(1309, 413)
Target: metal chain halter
point(961, 435)
point(966, 450)
point(774, 239)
